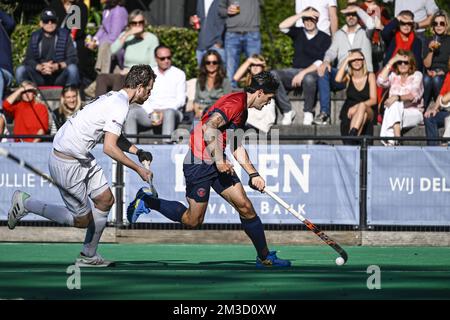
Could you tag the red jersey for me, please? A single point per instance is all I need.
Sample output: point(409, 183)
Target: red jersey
point(446, 86)
point(25, 119)
point(233, 108)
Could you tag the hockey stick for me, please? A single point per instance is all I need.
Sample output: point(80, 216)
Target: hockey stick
point(146, 164)
point(310, 226)
point(5, 153)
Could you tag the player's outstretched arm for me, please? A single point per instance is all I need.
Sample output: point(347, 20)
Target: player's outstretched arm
point(126, 146)
point(111, 148)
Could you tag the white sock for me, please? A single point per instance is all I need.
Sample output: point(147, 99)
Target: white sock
point(53, 212)
point(94, 231)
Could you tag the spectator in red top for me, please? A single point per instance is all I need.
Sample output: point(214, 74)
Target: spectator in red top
point(435, 116)
point(30, 117)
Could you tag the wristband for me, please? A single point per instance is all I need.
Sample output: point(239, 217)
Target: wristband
point(251, 176)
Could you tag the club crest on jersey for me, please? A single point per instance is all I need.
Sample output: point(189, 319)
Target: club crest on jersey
point(201, 192)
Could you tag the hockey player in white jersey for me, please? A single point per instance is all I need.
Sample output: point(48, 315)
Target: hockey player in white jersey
point(86, 194)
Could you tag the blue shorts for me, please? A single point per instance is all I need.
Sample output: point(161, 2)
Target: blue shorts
point(201, 176)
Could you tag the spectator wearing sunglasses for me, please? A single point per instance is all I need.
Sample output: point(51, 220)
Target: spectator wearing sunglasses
point(404, 107)
point(310, 45)
point(422, 10)
point(399, 35)
point(435, 61)
point(350, 36)
point(51, 58)
point(138, 45)
point(30, 115)
point(163, 109)
point(212, 82)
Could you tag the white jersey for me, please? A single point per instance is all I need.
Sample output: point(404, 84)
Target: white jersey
point(79, 134)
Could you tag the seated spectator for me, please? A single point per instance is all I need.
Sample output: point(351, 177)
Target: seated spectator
point(212, 82)
point(435, 61)
point(64, 10)
point(399, 34)
point(265, 118)
point(114, 21)
point(350, 36)
point(310, 45)
point(7, 26)
point(437, 115)
point(357, 113)
point(139, 46)
point(404, 107)
point(51, 58)
point(30, 116)
point(70, 103)
point(3, 128)
point(162, 108)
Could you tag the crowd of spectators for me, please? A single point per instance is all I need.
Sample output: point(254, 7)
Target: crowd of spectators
point(393, 72)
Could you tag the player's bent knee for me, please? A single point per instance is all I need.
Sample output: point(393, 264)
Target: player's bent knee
point(245, 208)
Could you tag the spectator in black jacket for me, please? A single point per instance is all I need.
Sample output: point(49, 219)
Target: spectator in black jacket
point(6, 68)
point(51, 58)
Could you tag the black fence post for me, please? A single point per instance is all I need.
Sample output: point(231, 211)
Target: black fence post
point(363, 186)
point(119, 194)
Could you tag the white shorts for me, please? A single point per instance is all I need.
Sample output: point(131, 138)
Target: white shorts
point(81, 178)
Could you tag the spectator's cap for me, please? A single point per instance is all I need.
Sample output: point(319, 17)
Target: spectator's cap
point(48, 15)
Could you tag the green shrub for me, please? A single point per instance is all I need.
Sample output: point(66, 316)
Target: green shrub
point(276, 46)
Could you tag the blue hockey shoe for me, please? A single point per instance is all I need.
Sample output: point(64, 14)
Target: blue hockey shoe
point(137, 206)
point(272, 261)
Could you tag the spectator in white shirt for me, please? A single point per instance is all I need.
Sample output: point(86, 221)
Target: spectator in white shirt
point(163, 108)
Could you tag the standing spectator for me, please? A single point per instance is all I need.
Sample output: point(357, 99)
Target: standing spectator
point(423, 11)
point(212, 83)
point(51, 58)
point(350, 36)
point(265, 118)
point(438, 114)
point(310, 45)
point(242, 31)
point(212, 27)
point(65, 11)
point(30, 117)
point(139, 46)
point(404, 107)
point(436, 60)
point(399, 35)
point(357, 112)
point(7, 26)
point(162, 108)
point(70, 103)
point(381, 18)
point(328, 18)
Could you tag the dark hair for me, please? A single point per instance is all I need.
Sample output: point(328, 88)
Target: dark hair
point(406, 13)
point(161, 46)
point(310, 8)
point(140, 74)
point(203, 73)
point(264, 81)
point(114, 3)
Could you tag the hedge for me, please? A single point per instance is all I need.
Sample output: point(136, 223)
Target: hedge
point(276, 46)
